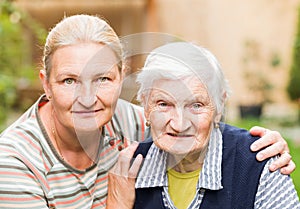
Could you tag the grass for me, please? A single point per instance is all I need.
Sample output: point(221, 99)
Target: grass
point(294, 148)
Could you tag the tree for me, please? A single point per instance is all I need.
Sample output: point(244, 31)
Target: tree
point(15, 67)
point(293, 88)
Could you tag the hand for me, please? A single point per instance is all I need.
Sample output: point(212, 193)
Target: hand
point(121, 179)
point(272, 144)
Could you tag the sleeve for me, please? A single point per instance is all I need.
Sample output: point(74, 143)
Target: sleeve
point(20, 187)
point(276, 191)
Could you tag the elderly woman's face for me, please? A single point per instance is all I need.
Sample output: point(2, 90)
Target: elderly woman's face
point(84, 84)
point(181, 115)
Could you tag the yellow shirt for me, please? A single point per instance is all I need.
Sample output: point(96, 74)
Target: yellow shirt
point(182, 187)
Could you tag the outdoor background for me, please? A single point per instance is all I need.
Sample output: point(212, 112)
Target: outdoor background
point(256, 42)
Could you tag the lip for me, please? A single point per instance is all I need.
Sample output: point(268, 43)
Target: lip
point(84, 112)
point(179, 135)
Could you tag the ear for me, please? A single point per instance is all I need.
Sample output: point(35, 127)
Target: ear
point(218, 116)
point(146, 108)
point(45, 82)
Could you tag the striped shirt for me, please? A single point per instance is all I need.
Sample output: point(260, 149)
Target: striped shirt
point(33, 175)
point(275, 191)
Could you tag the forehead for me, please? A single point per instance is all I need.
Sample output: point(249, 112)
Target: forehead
point(84, 56)
point(185, 88)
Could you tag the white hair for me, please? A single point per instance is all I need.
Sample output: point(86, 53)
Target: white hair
point(180, 60)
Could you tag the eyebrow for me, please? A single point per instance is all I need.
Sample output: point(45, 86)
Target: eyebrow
point(199, 97)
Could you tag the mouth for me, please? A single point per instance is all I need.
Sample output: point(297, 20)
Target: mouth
point(179, 135)
point(86, 111)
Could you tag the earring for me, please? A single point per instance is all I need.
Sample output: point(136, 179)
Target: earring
point(148, 123)
point(49, 97)
point(217, 125)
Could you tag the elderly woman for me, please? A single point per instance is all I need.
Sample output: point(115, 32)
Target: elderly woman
point(57, 155)
point(192, 160)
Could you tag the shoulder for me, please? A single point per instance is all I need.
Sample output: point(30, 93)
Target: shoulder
point(129, 119)
point(232, 134)
point(236, 144)
point(28, 116)
point(24, 136)
point(129, 112)
point(144, 147)
point(280, 186)
point(123, 104)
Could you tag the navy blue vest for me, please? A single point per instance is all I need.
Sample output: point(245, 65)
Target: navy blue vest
point(240, 175)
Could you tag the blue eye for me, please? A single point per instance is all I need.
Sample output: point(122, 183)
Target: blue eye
point(196, 106)
point(163, 106)
point(69, 81)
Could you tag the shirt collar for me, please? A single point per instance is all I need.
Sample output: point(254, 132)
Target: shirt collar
point(153, 172)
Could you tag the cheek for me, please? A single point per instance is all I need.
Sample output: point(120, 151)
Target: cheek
point(158, 120)
point(204, 125)
point(62, 98)
point(110, 92)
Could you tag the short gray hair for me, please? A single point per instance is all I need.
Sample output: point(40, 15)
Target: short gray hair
point(182, 59)
point(80, 29)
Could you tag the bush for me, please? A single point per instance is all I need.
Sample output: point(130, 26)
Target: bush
point(293, 88)
point(15, 61)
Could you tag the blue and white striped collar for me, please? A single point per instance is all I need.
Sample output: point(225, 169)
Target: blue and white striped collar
point(153, 172)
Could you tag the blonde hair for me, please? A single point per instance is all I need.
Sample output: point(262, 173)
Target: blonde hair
point(81, 29)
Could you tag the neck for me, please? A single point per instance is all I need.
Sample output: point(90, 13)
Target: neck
point(188, 163)
point(77, 149)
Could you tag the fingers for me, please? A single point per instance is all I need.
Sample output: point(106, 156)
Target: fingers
point(289, 168)
point(271, 148)
point(121, 179)
point(126, 166)
point(135, 167)
point(268, 138)
point(282, 162)
point(125, 159)
point(258, 131)
point(272, 144)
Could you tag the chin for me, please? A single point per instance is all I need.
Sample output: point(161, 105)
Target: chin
point(179, 152)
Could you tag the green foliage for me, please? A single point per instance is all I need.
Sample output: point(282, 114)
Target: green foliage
point(255, 76)
point(295, 152)
point(294, 82)
point(293, 88)
point(15, 53)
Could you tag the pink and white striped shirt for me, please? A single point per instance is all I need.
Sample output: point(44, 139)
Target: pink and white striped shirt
point(33, 175)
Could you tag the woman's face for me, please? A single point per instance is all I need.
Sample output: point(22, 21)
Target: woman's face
point(84, 84)
point(181, 115)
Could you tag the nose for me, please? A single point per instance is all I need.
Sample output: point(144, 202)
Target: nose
point(87, 101)
point(86, 96)
point(179, 122)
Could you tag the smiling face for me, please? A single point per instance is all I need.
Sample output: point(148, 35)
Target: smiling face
point(181, 115)
point(84, 84)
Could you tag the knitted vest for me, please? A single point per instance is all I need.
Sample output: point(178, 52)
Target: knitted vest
point(240, 175)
